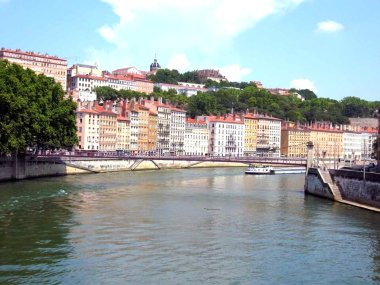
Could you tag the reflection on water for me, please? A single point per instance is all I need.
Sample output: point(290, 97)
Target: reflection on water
point(208, 226)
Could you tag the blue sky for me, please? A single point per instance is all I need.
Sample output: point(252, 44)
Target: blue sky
point(330, 46)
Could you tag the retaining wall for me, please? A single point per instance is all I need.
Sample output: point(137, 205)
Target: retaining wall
point(23, 169)
point(361, 189)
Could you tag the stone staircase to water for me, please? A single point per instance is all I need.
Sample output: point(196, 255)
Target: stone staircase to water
point(326, 176)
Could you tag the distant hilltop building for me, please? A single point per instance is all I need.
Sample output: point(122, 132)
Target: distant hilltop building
point(51, 66)
point(278, 91)
point(364, 122)
point(258, 84)
point(84, 69)
point(84, 78)
point(154, 66)
point(130, 71)
point(212, 74)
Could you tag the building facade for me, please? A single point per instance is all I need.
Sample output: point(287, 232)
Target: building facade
point(294, 139)
point(250, 139)
point(268, 136)
point(196, 138)
point(226, 135)
point(51, 66)
point(177, 131)
point(88, 122)
point(352, 145)
point(328, 141)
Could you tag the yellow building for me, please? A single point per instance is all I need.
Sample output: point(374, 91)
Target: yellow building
point(107, 127)
point(144, 85)
point(143, 128)
point(51, 66)
point(328, 143)
point(250, 139)
point(294, 140)
point(152, 131)
point(123, 134)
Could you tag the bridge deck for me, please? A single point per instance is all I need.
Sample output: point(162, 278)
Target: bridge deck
point(246, 160)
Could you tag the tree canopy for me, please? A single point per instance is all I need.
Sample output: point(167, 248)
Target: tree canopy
point(33, 112)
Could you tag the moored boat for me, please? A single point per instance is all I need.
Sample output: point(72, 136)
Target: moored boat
point(259, 169)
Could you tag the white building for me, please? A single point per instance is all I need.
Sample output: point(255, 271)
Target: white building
point(352, 145)
point(81, 82)
point(84, 96)
point(120, 82)
point(188, 90)
point(133, 116)
point(369, 137)
point(226, 135)
point(87, 128)
point(196, 138)
point(268, 136)
point(177, 130)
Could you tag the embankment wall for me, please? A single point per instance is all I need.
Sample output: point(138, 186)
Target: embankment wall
point(360, 188)
point(24, 169)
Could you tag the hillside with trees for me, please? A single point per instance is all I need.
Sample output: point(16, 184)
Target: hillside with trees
point(252, 99)
point(33, 112)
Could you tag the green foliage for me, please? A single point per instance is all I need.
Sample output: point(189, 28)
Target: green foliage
point(108, 93)
point(356, 107)
point(305, 93)
point(33, 112)
point(243, 96)
point(166, 76)
point(190, 76)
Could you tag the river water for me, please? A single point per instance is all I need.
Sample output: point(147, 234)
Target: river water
point(195, 226)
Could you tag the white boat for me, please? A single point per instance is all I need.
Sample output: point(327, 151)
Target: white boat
point(289, 170)
point(258, 169)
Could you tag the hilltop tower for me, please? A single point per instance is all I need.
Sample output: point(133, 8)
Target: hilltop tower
point(155, 65)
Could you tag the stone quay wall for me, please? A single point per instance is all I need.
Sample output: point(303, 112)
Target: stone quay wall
point(316, 185)
point(345, 186)
point(25, 168)
point(356, 186)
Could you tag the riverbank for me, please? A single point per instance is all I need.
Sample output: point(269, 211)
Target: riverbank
point(27, 168)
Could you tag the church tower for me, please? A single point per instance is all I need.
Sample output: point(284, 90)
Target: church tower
point(155, 65)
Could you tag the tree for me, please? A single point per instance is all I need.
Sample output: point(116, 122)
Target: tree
point(305, 93)
point(201, 104)
point(356, 107)
point(33, 112)
point(166, 76)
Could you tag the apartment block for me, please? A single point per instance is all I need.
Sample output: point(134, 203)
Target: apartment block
point(51, 66)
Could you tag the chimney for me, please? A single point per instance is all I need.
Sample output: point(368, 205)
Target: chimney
point(160, 100)
point(152, 99)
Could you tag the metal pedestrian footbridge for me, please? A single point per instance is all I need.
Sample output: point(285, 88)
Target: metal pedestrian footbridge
point(106, 156)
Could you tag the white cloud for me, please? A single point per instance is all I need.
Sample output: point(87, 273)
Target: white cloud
point(303, 83)
point(200, 28)
point(179, 62)
point(234, 72)
point(330, 27)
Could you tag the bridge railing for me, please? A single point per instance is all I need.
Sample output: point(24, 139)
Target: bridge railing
point(113, 156)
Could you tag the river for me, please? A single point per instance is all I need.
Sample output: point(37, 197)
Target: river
point(192, 226)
